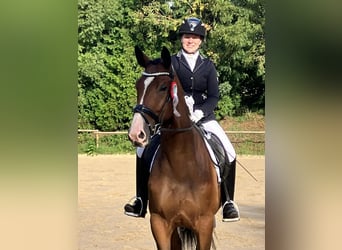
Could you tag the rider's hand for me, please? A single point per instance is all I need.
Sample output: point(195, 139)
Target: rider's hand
point(197, 115)
point(190, 103)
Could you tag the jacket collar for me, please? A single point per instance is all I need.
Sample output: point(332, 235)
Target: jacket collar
point(182, 59)
point(179, 54)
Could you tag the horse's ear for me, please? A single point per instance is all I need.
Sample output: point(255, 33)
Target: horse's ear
point(141, 57)
point(165, 56)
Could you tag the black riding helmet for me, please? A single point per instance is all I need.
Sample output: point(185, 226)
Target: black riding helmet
point(192, 25)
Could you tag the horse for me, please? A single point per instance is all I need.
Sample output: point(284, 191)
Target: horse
point(183, 189)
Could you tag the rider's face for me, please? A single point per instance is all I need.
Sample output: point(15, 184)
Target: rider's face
point(191, 43)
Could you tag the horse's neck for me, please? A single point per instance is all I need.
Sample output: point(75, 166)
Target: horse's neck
point(181, 137)
point(185, 153)
point(178, 141)
point(182, 121)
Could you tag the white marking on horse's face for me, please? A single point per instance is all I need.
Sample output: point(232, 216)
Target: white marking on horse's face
point(147, 83)
point(137, 131)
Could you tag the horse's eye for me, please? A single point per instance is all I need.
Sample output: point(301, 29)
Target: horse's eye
point(163, 88)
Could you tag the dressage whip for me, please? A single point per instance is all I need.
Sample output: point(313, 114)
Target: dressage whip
point(250, 174)
point(244, 168)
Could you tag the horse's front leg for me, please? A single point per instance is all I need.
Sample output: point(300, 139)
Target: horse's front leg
point(204, 231)
point(161, 232)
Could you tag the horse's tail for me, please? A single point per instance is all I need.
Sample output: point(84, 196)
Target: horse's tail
point(189, 239)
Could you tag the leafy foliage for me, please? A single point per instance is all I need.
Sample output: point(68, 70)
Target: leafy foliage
point(236, 43)
point(106, 76)
point(107, 70)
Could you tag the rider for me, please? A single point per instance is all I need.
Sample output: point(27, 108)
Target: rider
point(198, 77)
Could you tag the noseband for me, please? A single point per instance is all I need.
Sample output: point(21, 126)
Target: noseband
point(143, 110)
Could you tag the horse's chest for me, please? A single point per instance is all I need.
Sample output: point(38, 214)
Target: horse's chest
point(175, 195)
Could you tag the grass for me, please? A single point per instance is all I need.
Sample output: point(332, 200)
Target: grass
point(244, 144)
point(109, 144)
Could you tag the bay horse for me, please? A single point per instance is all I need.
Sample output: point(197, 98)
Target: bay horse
point(183, 188)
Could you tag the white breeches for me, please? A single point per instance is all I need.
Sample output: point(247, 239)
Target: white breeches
point(215, 128)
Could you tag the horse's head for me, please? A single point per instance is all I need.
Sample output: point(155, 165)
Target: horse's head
point(157, 97)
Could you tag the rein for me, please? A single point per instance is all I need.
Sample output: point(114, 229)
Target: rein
point(177, 129)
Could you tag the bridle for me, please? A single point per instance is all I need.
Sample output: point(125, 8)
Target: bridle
point(143, 110)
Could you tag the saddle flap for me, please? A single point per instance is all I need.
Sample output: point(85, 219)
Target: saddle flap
point(216, 146)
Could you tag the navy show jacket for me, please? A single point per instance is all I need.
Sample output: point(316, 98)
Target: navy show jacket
point(201, 83)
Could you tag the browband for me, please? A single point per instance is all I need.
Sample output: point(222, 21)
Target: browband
point(156, 74)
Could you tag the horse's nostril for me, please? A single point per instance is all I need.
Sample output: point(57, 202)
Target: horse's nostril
point(141, 135)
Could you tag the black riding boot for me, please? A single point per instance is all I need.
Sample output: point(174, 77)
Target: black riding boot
point(230, 182)
point(139, 206)
point(229, 208)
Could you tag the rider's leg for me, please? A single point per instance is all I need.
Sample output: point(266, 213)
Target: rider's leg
point(215, 128)
point(143, 163)
point(139, 206)
point(229, 208)
point(231, 179)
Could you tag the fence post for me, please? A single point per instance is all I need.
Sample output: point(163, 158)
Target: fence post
point(97, 138)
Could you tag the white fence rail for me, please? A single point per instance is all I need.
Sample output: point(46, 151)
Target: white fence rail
point(98, 133)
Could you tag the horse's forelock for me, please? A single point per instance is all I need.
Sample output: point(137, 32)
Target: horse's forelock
point(156, 66)
point(155, 61)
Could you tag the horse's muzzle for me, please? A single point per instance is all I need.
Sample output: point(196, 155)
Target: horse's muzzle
point(139, 133)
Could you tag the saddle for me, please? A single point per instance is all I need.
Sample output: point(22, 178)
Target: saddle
point(221, 157)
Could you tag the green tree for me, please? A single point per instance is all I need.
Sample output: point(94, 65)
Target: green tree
point(154, 23)
point(236, 43)
point(106, 69)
